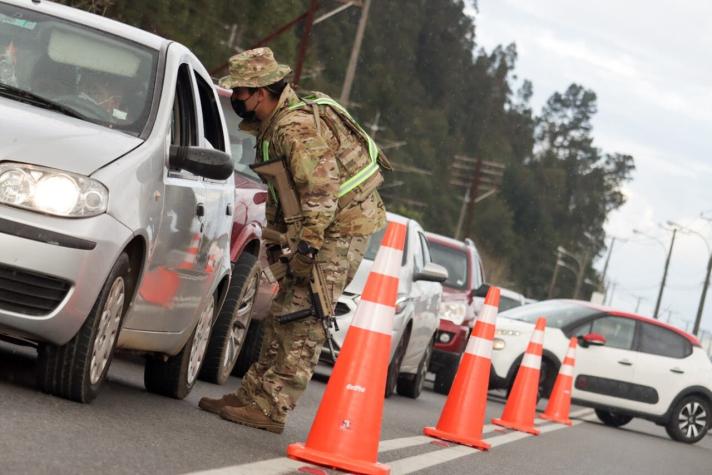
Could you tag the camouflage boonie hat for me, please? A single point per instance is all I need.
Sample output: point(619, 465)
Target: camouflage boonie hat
point(254, 68)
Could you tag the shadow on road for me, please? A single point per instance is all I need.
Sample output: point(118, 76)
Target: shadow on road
point(18, 365)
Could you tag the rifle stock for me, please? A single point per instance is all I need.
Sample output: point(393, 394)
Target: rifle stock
point(277, 176)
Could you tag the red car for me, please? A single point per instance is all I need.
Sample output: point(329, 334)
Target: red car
point(459, 305)
point(237, 332)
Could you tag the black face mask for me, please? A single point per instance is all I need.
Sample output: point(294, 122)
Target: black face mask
point(240, 109)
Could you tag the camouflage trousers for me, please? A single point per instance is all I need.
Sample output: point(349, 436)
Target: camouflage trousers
point(290, 351)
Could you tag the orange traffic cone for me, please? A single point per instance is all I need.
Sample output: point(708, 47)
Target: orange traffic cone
point(347, 426)
point(557, 410)
point(462, 418)
point(520, 409)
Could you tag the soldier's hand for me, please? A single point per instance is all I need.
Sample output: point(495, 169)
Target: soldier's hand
point(300, 266)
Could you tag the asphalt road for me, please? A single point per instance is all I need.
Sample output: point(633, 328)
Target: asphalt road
point(127, 430)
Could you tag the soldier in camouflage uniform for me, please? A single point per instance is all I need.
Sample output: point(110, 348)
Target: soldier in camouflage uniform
point(323, 151)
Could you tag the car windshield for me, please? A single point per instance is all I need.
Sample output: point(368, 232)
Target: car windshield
point(454, 260)
point(242, 144)
point(374, 242)
point(75, 70)
point(558, 313)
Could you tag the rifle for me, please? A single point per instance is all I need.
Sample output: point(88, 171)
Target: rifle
point(276, 174)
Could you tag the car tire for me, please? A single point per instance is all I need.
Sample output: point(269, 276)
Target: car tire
point(547, 376)
point(76, 369)
point(175, 376)
point(445, 377)
point(250, 348)
point(411, 385)
point(231, 326)
point(612, 419)
point(395, 364)
point(689, 420)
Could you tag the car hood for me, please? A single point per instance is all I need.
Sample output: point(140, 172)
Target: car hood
point(41, 137)
point(511, 324)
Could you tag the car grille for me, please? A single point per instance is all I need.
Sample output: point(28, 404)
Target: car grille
point(341, 309)
point(30, 293)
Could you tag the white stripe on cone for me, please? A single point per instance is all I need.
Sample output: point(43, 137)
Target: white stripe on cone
point(479, 347)
point(388, 261)
point(571, 353)
point(567, 370)
point(374, 317)
point(488, 314)
point(538, 337)
point(531, 361)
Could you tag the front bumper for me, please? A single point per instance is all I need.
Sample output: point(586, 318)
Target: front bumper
point(52, 270)
point(447, 353)
point(450, 337)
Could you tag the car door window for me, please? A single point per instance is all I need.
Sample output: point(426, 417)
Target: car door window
point(618, 332)
point(184, 130)
point(661, 341)
point(425, 248)
point(212, 125)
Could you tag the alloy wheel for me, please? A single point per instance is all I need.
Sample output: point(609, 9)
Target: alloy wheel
point(243, 315)
point(200, 341)
point(107, 330)
point(692, 419)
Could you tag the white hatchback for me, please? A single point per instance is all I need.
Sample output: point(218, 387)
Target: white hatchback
point(627, 365)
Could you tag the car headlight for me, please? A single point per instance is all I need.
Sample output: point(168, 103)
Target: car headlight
point(498, 344)
point(453, 311)
point(51, 191)
point(504, 332)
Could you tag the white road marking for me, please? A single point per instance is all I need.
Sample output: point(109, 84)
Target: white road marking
point(430, 459)
point(284, 465)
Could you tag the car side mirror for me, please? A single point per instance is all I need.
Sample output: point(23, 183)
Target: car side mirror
point(481, 291)
point(432, 272)
point(205, 162)
point(592, 339)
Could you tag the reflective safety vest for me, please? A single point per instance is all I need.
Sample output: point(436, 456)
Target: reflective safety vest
point(359, 177)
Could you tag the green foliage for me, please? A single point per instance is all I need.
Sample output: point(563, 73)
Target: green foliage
point(421, 70)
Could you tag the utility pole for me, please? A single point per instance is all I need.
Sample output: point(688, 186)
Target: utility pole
point(554, 276)
point(665, 271)
point(608, 259)
point(463, 208)
point(582, 270)
point(355, 50)
point(637, 303)
point(701, 306)
point(304, 42)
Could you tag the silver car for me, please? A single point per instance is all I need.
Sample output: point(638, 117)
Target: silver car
point(416, 318)
point(115, 199)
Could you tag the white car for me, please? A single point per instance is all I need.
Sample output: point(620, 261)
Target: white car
point(416, 318)
point(627, 365)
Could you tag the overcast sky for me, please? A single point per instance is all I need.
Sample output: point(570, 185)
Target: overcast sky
point(649, 64)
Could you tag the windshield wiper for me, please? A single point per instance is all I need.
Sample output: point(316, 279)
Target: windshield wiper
point(31, 98)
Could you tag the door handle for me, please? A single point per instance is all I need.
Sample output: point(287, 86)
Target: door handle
point(625, 363)
point(200, 210)
point(677, 371)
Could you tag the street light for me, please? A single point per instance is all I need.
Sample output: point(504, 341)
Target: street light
point(667, 264)
point(701, 306)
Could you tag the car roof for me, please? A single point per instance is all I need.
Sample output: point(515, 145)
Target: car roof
point(446, 241)
point(93, 21)
point(510, 293)
point(620, 313)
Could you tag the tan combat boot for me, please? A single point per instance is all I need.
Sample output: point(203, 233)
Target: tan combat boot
point(216, 405)
point(251, 416)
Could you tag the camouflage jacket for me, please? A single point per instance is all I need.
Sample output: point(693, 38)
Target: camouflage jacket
point(319, 155)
